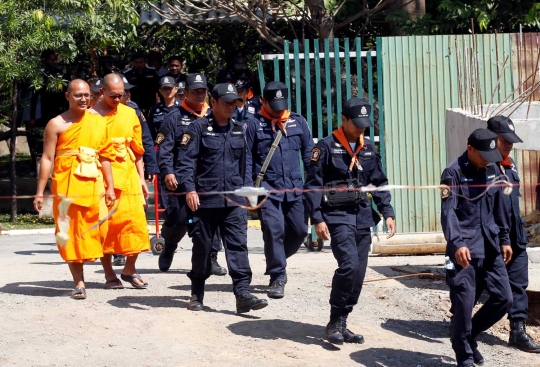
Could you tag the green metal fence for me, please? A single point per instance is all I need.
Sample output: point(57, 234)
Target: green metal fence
point(319, 82)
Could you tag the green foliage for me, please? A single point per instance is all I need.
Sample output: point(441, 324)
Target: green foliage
point(454, 17)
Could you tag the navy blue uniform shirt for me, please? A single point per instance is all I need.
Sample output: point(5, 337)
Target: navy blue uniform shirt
point(214, 158)
point(518, 235)
point(330, 162)
point(477, 218)
point(149, 156)
point(284, 171)
point(174, 125)
point(157, 114)
point(147, 85)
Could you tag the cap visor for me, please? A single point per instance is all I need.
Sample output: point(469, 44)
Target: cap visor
point(128, 86)
point(511, 138)
point(180, 91)
point(361, 122)
point(492, 156)
point(231, 97)
point(168, 85)
point(279, 105)
point(197, 86)
point(95, 88)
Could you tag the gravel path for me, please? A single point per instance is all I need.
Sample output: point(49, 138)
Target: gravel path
point(403, 321)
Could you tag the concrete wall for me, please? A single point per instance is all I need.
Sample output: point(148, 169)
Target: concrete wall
point(460, 124)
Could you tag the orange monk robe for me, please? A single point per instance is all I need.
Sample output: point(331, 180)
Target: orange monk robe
point(88, 134)
point(128, 230)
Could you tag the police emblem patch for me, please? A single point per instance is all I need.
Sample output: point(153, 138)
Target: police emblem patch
point(263, 124)
point(445, 192)
point(198, 79)
point(492, 144)
point(315, 154)
point(363, 111)
point(166, 80)
point(230, 88)
point(279, 94)
point(159, 139)
point(210, 128)
point(511, 127)
point(186, 138)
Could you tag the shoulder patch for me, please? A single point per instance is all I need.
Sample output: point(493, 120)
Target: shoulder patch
point(315, 154)
point(185, 140)
point(159, 139)
point(445, 192)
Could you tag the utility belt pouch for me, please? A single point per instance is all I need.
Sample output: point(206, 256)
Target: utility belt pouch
point(343, 193)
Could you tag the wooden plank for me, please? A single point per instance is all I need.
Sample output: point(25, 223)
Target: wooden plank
point(380, 96)
point(414, 166)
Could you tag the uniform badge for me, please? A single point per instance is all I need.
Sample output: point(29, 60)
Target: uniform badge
point(315, 154)
point(510, 126)
point(363, 111)
point(209, 128)
point(445, 192)
point(492, 144)
point(279, 95)
point(159, 139)
point(186, 138)
point(263, 124)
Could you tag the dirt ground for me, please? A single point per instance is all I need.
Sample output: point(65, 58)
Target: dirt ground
point(403, 321)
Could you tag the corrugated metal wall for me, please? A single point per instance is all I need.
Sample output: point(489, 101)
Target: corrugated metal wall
point(528, 165)
point(420, 81)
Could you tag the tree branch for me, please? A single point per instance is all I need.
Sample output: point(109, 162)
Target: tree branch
point(358, 15)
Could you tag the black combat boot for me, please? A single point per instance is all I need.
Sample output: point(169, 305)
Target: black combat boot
point(477, 356)
point(196, 302)
point(519, 338)
point(349, 336)
point(216, 268)
point(333, 331)
point(247, 302)
point(277, 289)
point(166, 256)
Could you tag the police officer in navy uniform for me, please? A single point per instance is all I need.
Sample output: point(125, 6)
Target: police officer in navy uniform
point(177, 214)
point(283, 215)
point(347, 159)
point(147, 81)
point(518, 267)
point(168, 89)
point(475, 225)
point(249, 105)
point(175, 69)
point(214, 159)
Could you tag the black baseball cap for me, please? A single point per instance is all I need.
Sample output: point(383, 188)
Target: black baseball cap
point(127, 86)
point(97, 85)
point(504, 126)
point(358, 110)
point(485, 142)
point(225, 91)
point(225, 76)
point(167, 81)
point(196, 81)
point(276, 93)
point(242, 84)
point(181, 87)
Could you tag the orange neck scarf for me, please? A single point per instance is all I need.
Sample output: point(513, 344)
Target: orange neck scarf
point(249, 94)
point(506, 162)
point(281, 121)
point(190, 110)
point(340, 136)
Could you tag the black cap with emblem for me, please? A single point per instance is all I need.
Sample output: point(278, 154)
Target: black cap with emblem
point(196, 81)
point(167, 81)
point(226, 92)
point(358, 110)
point(504, 126)
point(181, 87)
point(127, 86)
point(276, 94)
point(97, 86)
point(485, 142)
point(242, 84)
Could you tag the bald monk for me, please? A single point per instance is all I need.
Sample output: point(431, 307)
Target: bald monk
point(79, 139)
point(128, 231)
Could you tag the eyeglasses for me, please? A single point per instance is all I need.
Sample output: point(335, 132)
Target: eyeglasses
point(115, 96)
point(81, 96)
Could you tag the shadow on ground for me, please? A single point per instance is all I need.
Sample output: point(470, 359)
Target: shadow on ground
point(377, 357)
point(36, 252)
point(431, 331)
point(45, 288)
point(295, 331)
point(221, 288)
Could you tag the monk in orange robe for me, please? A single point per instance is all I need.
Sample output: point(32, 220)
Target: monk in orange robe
point(128, 230)
point(79, 139)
